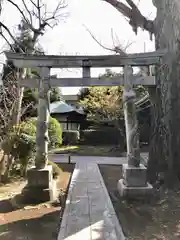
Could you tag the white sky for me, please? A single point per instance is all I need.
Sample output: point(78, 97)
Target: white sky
point(70, 37)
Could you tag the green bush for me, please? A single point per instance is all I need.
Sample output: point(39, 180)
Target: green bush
point(27, 127)
point(25, 143)
point(20, 144)
point(70, 137)
point(24, 149)
point(21, 141)
point(56, 169)
point(55, 133)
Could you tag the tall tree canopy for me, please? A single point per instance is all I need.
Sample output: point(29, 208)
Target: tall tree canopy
point(103, 102)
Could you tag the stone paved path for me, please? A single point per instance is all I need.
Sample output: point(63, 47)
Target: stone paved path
point(89, 213)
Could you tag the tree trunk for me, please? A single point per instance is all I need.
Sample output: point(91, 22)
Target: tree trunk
point(20, 74)
point(165, 139)
point(156, 158)
point(18, 106)
point(166, 142)
point(7, 165)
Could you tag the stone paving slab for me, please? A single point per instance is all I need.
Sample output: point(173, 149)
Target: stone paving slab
point(58, 158)
point(89, 213)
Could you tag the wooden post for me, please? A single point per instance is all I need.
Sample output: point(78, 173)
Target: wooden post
point(131, 123)
point(69, 158)
point(86, 69)
point(42, 138)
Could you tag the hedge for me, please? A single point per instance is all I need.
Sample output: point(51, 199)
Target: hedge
point(104, 136)
point(70, 137)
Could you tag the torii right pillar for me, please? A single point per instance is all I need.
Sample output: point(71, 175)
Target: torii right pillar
point(134, 183)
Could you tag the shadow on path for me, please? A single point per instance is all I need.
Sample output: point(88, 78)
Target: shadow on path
point(34, 225)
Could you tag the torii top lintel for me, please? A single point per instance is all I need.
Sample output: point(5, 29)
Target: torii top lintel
point(54, 61)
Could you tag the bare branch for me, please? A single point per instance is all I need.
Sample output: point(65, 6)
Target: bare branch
point(125, 10)
point(136, 19)
point(55, 14)
point(27, 16)
point(132, 5)
point(30, 15)
point(0, 6)
point(117, 49)
point(7, 41)
point(43, 19)
point(10, 34)
point(39, 12)
point(33, 3)
point(19, 9)
point(98, 42)
point(25, 108)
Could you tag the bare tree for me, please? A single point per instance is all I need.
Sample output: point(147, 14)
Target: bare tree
point(35, 20)
point(8, 99)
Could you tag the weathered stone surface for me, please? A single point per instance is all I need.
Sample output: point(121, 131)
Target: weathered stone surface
point(40, 177)
point(135, 176)
point(40, 185)
point(38, 194)
point(134, 192)
point(43, 119)
point(131, 123)
point(89, 213)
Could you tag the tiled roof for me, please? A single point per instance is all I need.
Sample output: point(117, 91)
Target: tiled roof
point(62, 107)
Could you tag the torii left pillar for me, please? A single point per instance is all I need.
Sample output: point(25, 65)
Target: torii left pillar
point(40, 186)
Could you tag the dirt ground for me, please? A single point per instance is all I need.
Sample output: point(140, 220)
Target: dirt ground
point(156, 219)
point(87, 150)
point(22, 222)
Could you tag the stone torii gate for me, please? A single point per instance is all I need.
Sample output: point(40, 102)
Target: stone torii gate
point(40, 183)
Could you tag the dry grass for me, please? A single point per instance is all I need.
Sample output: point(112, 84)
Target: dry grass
point(20, 221)
point(86, 150)
point(157, 219)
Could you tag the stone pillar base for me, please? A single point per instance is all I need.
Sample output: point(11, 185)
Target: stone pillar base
point(134, 183)
point(40, 185)
point(134, 192)
point(134, 176)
